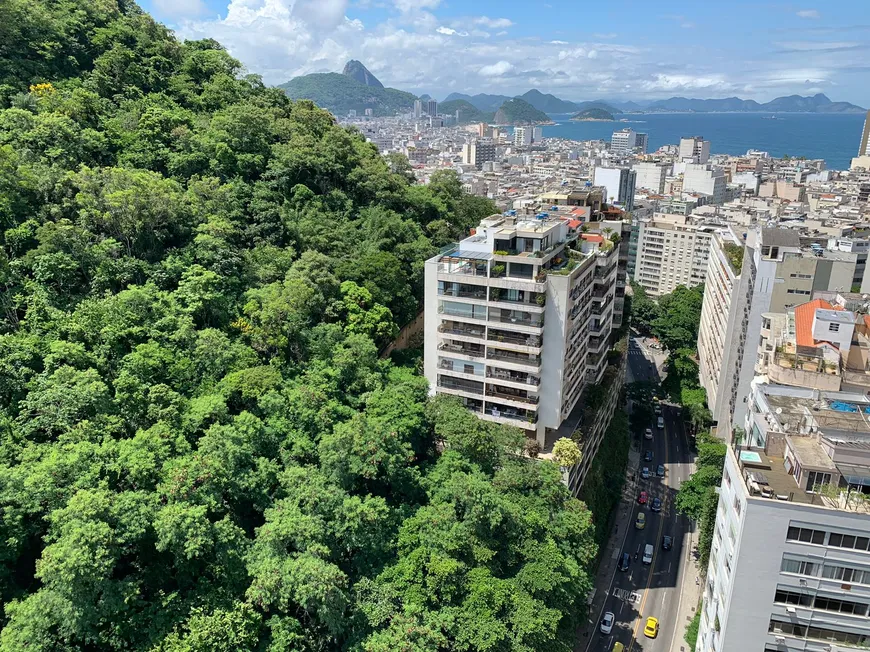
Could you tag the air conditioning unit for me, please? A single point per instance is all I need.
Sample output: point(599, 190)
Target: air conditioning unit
point(791, 610)
point(779, 639)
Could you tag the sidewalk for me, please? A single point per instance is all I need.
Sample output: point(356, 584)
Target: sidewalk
point(691, 589)
point(607, 565)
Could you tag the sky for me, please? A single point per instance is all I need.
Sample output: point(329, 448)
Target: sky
point(575, 49)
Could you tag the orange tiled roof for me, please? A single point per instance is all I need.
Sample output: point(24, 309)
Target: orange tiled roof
point(803, 320)
point(592, 237)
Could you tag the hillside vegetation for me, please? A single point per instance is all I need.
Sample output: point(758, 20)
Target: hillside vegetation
point(200, 449)
point(340, 93)
point(467, 112)
point(519, 112)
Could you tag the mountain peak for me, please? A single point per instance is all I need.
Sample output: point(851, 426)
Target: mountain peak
point(355, 70)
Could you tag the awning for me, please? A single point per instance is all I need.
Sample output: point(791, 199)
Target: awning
point(470, 255)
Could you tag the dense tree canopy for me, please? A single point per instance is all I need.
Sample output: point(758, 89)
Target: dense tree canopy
point(200, 448)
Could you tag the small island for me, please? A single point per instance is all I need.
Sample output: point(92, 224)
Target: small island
point(593, 115)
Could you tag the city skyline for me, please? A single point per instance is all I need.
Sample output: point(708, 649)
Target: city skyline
point(437, 47)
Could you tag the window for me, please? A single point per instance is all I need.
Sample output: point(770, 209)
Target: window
point(816, 479)
point(784, 627)
point(805, 535)
point(802, 292)
point(846, 575)
point(737, 505)
point(840, 606)
point(834, 328)
point(792, 597)
point(799, 567)
point(806, 276)
point(849, 541)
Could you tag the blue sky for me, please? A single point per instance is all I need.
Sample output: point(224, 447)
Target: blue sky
point(619, 49)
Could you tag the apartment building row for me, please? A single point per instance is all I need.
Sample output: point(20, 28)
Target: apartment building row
point(518, 321)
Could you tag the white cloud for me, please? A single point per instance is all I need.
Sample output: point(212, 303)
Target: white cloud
point(446, 30)
point(496, 69)
point(809, 13)
point(493, 23)
point(406, 6)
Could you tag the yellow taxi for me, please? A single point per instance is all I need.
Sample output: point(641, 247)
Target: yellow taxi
point(640, 523)
point(651, 629)
point(618, 647)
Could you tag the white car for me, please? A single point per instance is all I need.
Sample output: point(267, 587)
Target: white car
point(607, 622)
point(647, 434)
point(644, 473)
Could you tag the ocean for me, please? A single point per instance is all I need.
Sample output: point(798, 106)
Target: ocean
point(833, 137)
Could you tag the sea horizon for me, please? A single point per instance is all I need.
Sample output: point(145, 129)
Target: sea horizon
point(833, 137)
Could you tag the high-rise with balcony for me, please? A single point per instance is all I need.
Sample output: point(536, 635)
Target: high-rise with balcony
point(626, 141)
point(672, 250)
point(789, 565)
point(518, 319)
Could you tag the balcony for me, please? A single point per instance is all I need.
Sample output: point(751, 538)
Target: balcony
point(468, 292)
point(515, 358)
point(470, 351)
point(460, 367)
point(459, 385)
point(466, 313)
point(450, 328)
point(513, 338)
point(508, 394)
point(517, 317)
point(510, 415)
point(464, 268)
point(513, 377)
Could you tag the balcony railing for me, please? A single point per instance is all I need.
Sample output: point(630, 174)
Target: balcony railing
point(459, 368)
point(532, 400)
point(515, 414)
point(517, 358)
point(467, 269)
point(447, 382)
point(524, 319)
point(513, 338)
point(464, 294)
point(465, 332)
point(467, 314)
point(456, 348)
point(501, 374)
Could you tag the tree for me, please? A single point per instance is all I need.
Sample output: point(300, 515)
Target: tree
point(566, 452)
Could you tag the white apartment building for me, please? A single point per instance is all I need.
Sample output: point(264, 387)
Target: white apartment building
point(518, 320)
point(723, 277)
point(864, 148)
point(777, 274)
point(418, 108)
point(704, 179)
point(625, 141)
point(671, 251)
point(537, 134)
point(619, 185)
point(523, 136)
point(694, 149)
point(652, 175)
point(789, 566)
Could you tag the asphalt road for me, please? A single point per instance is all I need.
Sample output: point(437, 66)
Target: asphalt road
point(652, 590)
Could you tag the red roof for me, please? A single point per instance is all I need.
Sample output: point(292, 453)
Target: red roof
point(573, 224)
point(592, 237)
point(803, 320)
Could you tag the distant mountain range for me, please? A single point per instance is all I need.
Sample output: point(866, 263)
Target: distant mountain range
point(356, 88)
point(547, 103)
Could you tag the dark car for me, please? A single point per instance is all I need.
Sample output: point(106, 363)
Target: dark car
point(648, 456)
point(667, 542)
point(656, 505)
point(624, 561)
point(660, 470)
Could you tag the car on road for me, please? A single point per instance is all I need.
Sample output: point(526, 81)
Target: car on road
point(657, 409)
point(618, 647)
point(607, 622)
point(648, 554)
point(644, 473)
point(624, 562)
point(640, 522)
point(651, 629)
point(647, 434)
point(648, 456)
point(660, 470)
point(656, 505)
point(667, 542)
point(642, 498)
point(661, 423)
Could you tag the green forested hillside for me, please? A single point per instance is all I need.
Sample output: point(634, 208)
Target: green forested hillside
point(519, 112)
point(200, 449)
point(340, 93)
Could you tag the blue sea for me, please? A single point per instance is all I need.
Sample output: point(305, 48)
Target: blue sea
point(832, 137)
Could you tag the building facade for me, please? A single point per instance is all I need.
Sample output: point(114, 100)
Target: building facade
point(864, 148)
point(626, 141)
point(478, 153)
point(432, 107)
point(671, 251)
point(619, 185)
point(694, 149)
point(652, 175)
point(523, 136)
point(518, 320)
point(703, 178)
